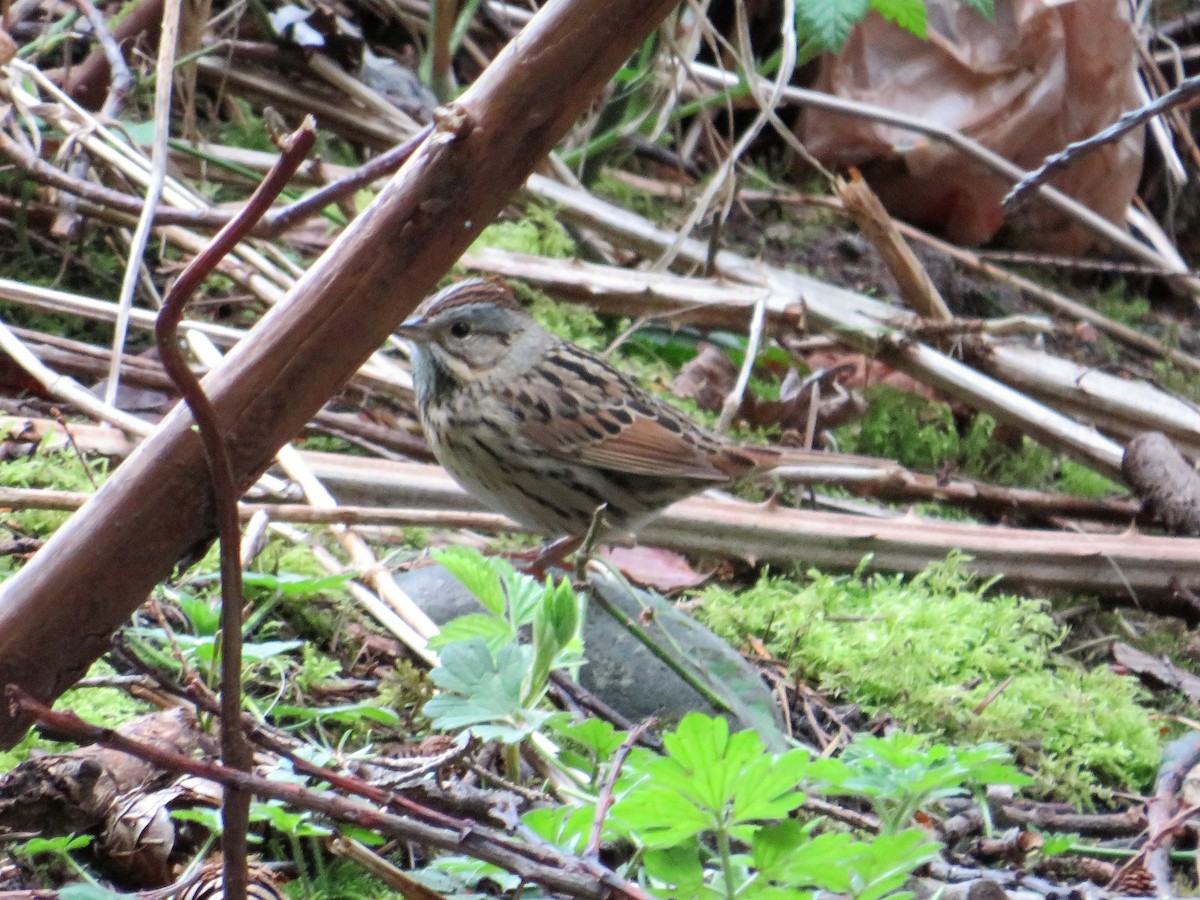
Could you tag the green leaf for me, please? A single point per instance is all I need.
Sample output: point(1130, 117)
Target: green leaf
point(493, 629)
point(908, 14)
point(297, 824)
point(362, 835)
point(479, 574)
point(821, 863)
point(261, 651)
point(659, 817)
point(709, 780)
point(471, 668)
point(567, 827)
point(887, 862)
point(483, 689)
point(1057, 843)
point(345, 713)
point(524, 597)
point(139, 132)
point(679, 867)
point(60, 845)
point(828, 22)
point(597, 735)
point(205, 617)
point(773, 845)
point(718, 770)
point(555, 625)
point(562, 612)
point(292, 584)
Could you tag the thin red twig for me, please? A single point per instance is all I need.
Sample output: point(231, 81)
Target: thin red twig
point(604, 801)
point(235, 750)
point(568, 875)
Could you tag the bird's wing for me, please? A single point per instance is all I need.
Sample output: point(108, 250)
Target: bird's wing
point(647, 447)
point(600, 418)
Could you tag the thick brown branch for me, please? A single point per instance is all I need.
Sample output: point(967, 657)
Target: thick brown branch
point(57, 613)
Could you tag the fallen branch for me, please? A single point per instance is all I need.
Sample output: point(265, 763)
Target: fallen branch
point(573, 876)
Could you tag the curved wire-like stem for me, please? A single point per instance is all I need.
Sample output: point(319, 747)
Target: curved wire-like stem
point(235, 750)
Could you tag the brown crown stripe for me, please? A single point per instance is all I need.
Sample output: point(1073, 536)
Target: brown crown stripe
point(466, 293)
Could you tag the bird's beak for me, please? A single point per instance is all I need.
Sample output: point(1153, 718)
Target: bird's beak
point(414, 328)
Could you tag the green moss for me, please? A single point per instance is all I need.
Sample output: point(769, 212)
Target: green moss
point(338, 880)
point(105, 706)
point(930, 649)
point(1117, 304)
point(571, 321)
point(538, 233)
point(53, 469)
point(625, 195)
point(924, 435)
point(905, 427)
point(328, 443)
point(1077, 479)
point(280, 555)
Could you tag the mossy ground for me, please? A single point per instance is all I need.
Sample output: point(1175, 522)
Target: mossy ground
point(928, 650)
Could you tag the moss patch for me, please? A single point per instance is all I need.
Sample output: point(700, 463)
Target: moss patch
point(930, 649)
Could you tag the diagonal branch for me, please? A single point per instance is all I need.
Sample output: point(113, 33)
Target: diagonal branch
point(57, 613)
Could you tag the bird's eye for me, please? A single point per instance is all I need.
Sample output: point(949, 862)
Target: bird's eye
point(460, 329)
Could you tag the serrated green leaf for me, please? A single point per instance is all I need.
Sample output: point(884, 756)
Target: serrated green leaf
point(829, 22)
point(524, 597)
point(473, 670)
point(493, 629)
point(709, 780)
point(908, 14)
point(886, 862)
point(482, 688)
point(659, 817)
point(567, 827)
point(773, 845)
point(479, 574)
point(822, 862)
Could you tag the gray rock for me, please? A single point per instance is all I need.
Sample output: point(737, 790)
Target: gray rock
point(620, 669)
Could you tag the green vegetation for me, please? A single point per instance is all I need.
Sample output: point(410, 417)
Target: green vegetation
point(714, 814)
point(929, 650)
point(51, 469)
point(1119, 305)
point(96, 704)
point(924, 435)
point(537, 232)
